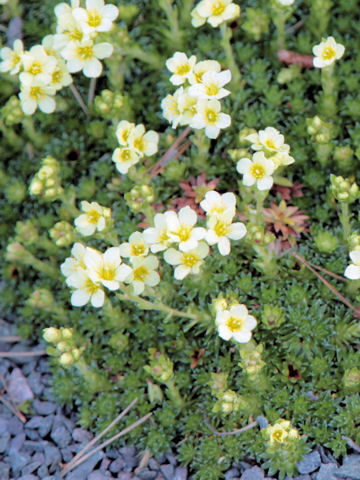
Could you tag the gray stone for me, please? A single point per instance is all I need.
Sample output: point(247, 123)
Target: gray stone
point(254, 473)
point(35, 446)
point(153, 464)
point(171, 458)
point(147, 474)
point(44, 408)
point(86, 467)
point(309, 463)
point(61, 436)
point(4, 441)
point(168, 471)
point(3, 423)
point(350, 468)
point(43, 424)
point(28, 477)
point(4, 470)
point(262, 421)
point(117, 465)
point(28, 368)
point(33, 435)
point(181, 473)
point(105, 462)
point(97, 475)
point(30, 467)
point(125, 476)
point(34, 380)
point(233, 472)
point(52, 455)
point(299, 477)
point(18, 461)
point(43, 471)
point(327, 472)
point(15, 426)
point(38, 457)
point(17, 443)
point(81, 435)
point(66, 454)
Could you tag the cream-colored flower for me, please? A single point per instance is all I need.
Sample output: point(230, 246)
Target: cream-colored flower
point(158, 236)
point(135, 247)
point(210, 117)
point(106, 268)
point(269, 139)
point(187, 262)
point(12, 58)
point(74, 263)
point(143, 273)
point(205, 66)
point(123, 132)
point(235, 323)
point(144, 144)
point(188, 107)
point(181, 67)
point(38, 65)
point(125, 158)
point(85, 56)
point(86, 290)
point(221, 229)
point(216, 204)
point(257, 171)
point(217, 11)
point(327, 52)
point(352, 271)
point(97, 17)
point(171, 108)
point(280, 432)
point(93, 219)
point(35, 93)
point(196, 19)
point(285, 3)
point(181, 228)
point(211, 85)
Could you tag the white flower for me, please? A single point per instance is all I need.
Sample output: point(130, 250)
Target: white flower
point(93, 219)
point(196, 19)
point(86, 291)
point(210, 117)
point(327, 52)
point(123, 131)
point(97, 17)
point(172, 110)
point(187, 262)
point(75, 263)
point(181, 66)
point(181, 228)
point(12, 58)
point(270, 139)
point(257, 171)
point(235, 323)
point(216, 204)
point(135, 247)
point(188, 107)
point(353, 270)
point(211, 85)
point(143, 143)
point(35, 93)
point(286, 3)
point(158, 236)
point(143, 273)
point(204, 67)
point(37, 64)
point(124, 158)
point(220, 229)
point(68, 28)
point(217, 11)
point(84, 56)
point(106, 268)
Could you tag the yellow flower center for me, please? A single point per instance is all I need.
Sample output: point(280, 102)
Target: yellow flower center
point(163, 237)
point(183, 69)
point(212, 89)
point(189, 259)
point(328, 53)
point(279, 435)
point(199, 75)
point(211, 115)
point(90, 286)
point(270, 144)
point(85, 53)
point(184, 233)
point(125, 135)
point(218, 8)
point(35, 68)
point(108, 272)
point(221, 228)
point(137, 249)
point(190, 107)
point(257, 171)
point(56, 76)
point(36, 92)
point(74, 34)
point(93, 216)
point(139, 144)
point(218, 209)
point(94, 19)
point(15, 58)
point(125, 155)
point(141, 273)
point(172, 106)
point(235, 324)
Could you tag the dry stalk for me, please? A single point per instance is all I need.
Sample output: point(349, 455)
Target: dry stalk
point(234, 432)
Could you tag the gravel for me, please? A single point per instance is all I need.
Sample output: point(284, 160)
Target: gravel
point(38, 448)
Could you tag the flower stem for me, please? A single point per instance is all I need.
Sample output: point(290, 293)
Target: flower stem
point(79, 99)
point(345, 220)
point(329, 97)
point(226, 34)
point(91, 92)
point(259, 205)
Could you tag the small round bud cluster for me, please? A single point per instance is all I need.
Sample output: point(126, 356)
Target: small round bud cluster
point(251, 360)
point(12, 112)
point(41, 298)
point(26, 232)
point(140, 197)
point(62, 233)
point(352, 378)
point(257, 235)
point(64, 346)
point(161, 367)
point(109, 104)
point(229, 402)
point(47, 182)
point(15, 252)
point(343, 190)
point(354, 242)
point(320, 131)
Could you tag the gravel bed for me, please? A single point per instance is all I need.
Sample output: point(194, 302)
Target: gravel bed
point(50, 437)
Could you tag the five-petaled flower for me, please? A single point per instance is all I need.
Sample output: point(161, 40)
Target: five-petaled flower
point(235, 323)
point(327, 52)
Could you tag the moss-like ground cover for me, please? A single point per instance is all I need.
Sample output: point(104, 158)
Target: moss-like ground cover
point(302, 363)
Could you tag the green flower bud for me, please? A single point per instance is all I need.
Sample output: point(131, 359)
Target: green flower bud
point(12, 111)
point(51, 335)
point(41, 298)
point(154, 392)
point(245, 132)
point(343, 190)
point(67, 334)
point(62, 233)
point(251, 360)
point(15, 191)
point(76, 352)
point(228, 402)
point(119, 342)
point(128, 12)
point(272, 317)
point(26, 232)
point(66, 359)
point(62, 346)
point(314, 125)
point(352, 377)
point(287, 75)
point(354, 242)
point(238, 153)
point(326, 242)
point(36, 187)
point(161, 367)
point(17, 253)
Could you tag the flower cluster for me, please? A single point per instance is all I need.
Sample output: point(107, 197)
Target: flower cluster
point(196, 101)
point(47, 181)
point(45, 69)
point(93, 219)
point(134, 145)
point(280, 432)
point(64, 346)
point(270, 153)
point(214, 12)
point(327, 52)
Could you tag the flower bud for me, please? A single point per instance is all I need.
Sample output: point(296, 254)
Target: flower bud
point(62, 233)
point(66, 359)
point(66, 334)
point(17, 253)
point(26, 232)
point(41, 298)
point(154, 392)
point(161, 367)
point(51, 335)
point(352, 377)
